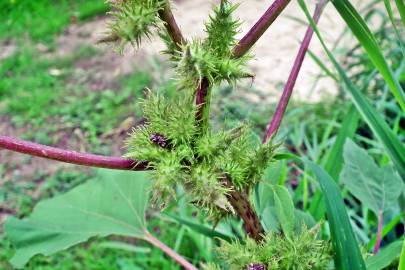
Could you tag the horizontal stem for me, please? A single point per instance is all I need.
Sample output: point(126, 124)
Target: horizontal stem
point(260, 27)
point(170, 252)
point(288, 89)
point(68, 156)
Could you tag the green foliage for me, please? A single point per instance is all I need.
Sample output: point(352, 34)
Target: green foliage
point(180, 153)
point(21, 17)
point(133, 21)
point(377, 188)
point(83, 212)
point(302, 251)
point(366, 38)
point(343, 238)
point(385, 257)
point(370, 115)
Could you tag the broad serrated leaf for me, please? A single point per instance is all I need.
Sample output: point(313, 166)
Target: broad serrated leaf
point(377, 188)
point(347, 251)
point(114, 203)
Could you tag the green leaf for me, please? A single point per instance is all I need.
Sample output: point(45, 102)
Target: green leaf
point(377, 188)
point(385, 257)
point(394, 148)
point(392, 19)
point(269, 219)
point(401, 265)
point(202, 229)
point(348, 255)
point(123, 246)
point(334, 162)
point(401, 9)
point(114, 203)
point(334, 159)
point(284, 208)
point(263, 190)
point(369, 43)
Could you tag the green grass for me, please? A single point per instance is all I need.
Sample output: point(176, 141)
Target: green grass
point(42, 20)
point(31, 94)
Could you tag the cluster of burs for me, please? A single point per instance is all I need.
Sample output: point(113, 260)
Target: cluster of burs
point(179, 148)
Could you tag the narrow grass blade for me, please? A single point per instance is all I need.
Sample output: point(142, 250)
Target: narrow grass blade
point(392, 19)
point(394, 148)
point(322, 66)
point(348, 255)
point(401, 8)
point(334, 161)
point(369, 43)
point(401, 265)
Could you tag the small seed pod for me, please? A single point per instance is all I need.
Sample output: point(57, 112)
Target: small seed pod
point(159, 139)
point(256, 266)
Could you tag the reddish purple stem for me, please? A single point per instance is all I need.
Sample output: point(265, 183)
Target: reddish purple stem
point(260, 27)
point(170, 252)
point(68, 156)
point(379, 232)
point(288, 89)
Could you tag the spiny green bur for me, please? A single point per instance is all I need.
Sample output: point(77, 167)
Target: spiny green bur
point(180, 153)
point(179, 149)
point(133, 20)
point(276, 252)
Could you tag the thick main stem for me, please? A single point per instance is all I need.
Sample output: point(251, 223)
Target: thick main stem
point(68, 156)
point(240, 201)
point(241, 204)
point(288, 89)
point(170, 252)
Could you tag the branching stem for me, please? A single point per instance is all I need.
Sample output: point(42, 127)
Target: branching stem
point(68, 156)
point(288, 89)
point(171, 25)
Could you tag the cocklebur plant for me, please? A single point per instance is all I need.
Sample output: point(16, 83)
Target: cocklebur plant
point(304, 251)
point(218, 169)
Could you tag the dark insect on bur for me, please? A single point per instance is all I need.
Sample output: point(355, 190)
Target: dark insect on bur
point(256, 266)
point(159, 139)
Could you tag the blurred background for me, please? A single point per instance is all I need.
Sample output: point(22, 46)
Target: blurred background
point(58, 87)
